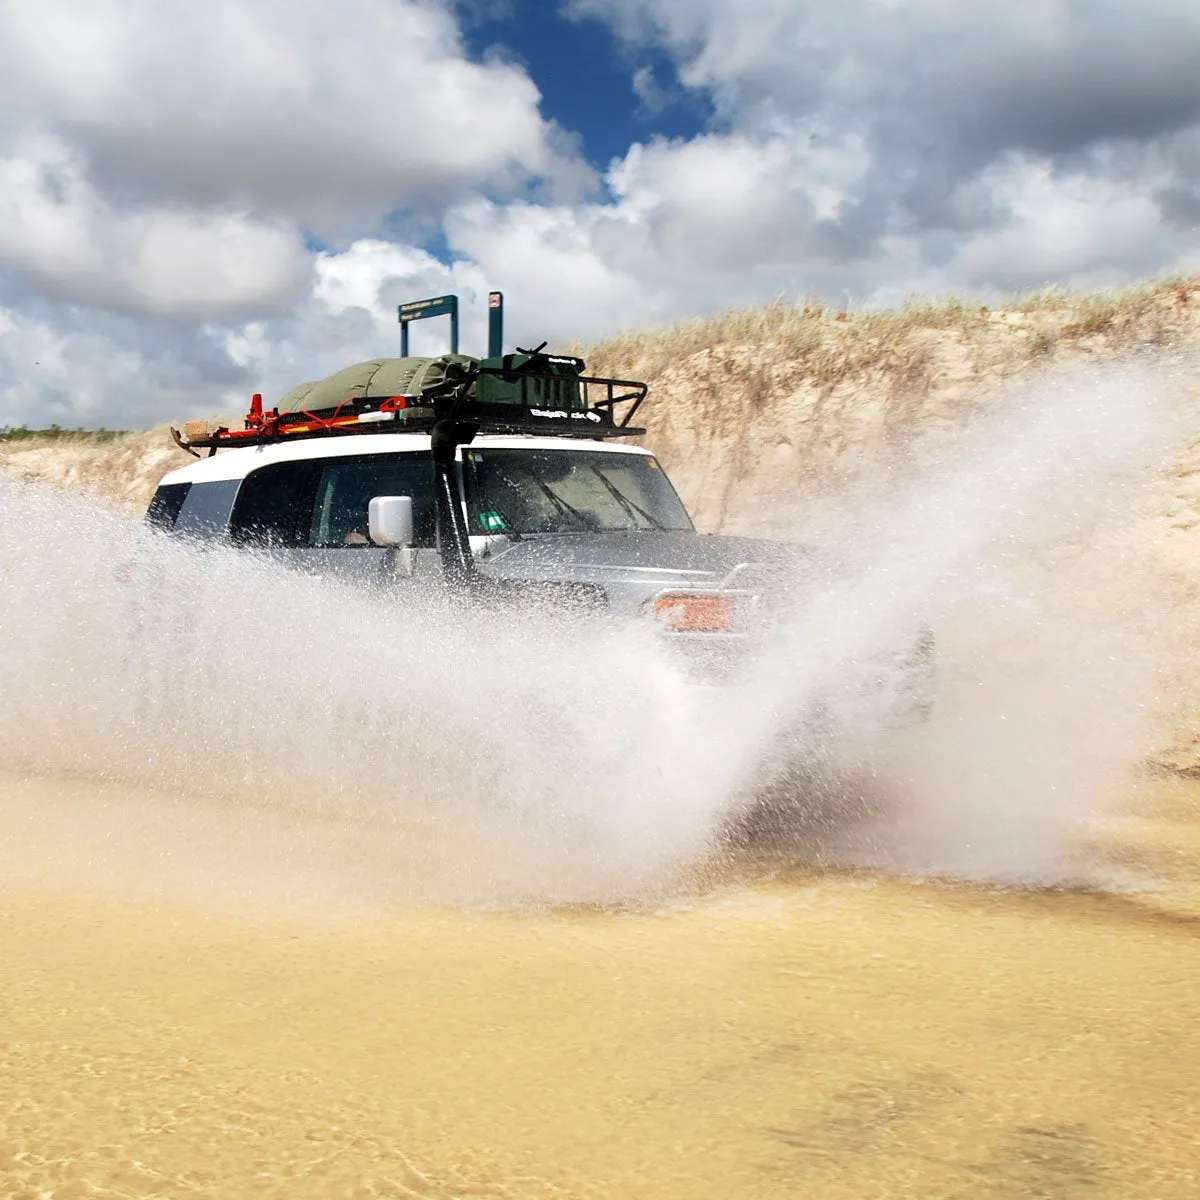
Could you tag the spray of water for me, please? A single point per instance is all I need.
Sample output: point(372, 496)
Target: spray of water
point(1053, 679)
point(431, 750)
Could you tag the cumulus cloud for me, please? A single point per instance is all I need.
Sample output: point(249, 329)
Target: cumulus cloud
point(73, 367)
point(330, 115)
point(198, 202)
point(935, 92)
point(109, 369)
point(71, 243)
point(1047, 75)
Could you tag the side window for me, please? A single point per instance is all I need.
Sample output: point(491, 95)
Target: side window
point(275, 505)
point(164, 508)
point(204, 511)
point(346, 486)
point(323, 502)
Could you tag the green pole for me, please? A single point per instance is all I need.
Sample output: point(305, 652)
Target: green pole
point(495, 324)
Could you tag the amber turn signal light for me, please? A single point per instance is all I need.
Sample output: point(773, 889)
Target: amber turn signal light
point(695, 612)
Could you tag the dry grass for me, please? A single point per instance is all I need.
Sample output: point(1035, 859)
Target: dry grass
point(832, 342)
point(116, 468)
point(785, 400)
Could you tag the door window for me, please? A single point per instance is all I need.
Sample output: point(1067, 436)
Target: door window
point(323, 502)
point(347, 486)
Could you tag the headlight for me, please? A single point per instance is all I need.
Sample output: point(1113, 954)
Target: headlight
point(695, 612)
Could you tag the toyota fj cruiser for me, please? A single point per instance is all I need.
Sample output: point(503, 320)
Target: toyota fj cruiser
point(510, 479)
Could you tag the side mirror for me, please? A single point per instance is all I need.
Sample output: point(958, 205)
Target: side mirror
point(390, 520)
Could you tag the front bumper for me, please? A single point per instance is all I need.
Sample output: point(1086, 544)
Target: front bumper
point(895, 689)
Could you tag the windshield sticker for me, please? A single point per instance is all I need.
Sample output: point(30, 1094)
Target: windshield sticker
point(492, 521)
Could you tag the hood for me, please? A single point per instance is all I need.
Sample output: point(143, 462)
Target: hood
point(654, 559)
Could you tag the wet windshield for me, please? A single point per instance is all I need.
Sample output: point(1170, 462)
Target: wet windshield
point(518, 491)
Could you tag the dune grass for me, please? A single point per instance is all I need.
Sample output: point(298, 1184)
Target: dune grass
point(834, 342)
point(15, 434)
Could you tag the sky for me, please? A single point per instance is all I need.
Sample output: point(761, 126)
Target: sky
point(202, 201)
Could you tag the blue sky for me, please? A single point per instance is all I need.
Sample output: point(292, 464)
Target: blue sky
point(202, 201)
point(586, 76)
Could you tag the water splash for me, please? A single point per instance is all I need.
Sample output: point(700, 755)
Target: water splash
point(430, 750)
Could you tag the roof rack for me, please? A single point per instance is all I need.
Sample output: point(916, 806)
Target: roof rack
point(553, 399)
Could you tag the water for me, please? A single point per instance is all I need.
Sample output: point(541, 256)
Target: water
point(501, 758)
point(303, 893)
point(819, 1034)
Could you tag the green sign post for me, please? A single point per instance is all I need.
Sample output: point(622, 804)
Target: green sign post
point(495, 324)
point(436, 306)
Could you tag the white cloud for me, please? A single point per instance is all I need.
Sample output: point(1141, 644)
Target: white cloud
point(330, 115)
point(167, 260)
point(1015, 67)
point(935, 93)
point(354, 278)
point(161, 163)
point(110, 373)
point(1092, 232)
point(556, 280)
point(871, 146)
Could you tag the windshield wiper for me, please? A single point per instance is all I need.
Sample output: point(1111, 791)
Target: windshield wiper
point(558, 501)
point(624, 501)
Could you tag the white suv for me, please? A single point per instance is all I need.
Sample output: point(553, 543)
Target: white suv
point(503, 498)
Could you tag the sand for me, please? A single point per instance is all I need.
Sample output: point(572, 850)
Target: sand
point(782, 1033)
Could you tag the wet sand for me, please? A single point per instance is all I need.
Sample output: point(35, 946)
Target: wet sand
point(787, 1034)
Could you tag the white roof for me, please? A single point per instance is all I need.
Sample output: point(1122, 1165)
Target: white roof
point(237, 464)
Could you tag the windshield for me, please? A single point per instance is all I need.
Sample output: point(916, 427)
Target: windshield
point(518, 491)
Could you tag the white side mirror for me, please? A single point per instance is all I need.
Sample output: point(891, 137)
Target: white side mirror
point(390, 520)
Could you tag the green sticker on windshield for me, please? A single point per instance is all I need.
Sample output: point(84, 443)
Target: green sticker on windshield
point(492, 522)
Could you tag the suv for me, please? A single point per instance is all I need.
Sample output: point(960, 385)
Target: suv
point(510, 480)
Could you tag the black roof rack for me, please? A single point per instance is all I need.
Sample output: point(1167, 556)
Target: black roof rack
point(530, 393)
